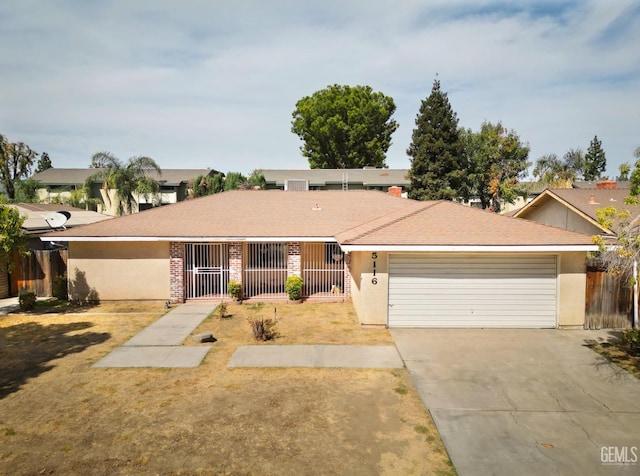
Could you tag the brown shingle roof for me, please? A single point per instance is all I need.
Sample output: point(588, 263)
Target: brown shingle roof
point(446, 223)
point(352, 217)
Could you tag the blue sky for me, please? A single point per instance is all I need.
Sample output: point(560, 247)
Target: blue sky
point(203, 83)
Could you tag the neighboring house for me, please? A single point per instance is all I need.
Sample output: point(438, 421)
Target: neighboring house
point(368, 178)
point(58, 183)
point(403, 263)
point(575, 209)
point(46, 260)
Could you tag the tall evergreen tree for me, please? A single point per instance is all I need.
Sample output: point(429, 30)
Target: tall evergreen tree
point(595, 161)
point(44, 163)
point(438, 166)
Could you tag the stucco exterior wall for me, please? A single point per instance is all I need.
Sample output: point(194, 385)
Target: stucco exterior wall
point(370, 296)
point(572, 289)
point(119, 270)
point(556, 214)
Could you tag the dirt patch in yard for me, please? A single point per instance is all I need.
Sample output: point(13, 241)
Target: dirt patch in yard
point(59, 415)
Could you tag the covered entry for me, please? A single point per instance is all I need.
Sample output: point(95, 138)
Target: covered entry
point(207, 270)
point(472, 290)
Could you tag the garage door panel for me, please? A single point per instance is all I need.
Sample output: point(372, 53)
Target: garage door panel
point(472, 291)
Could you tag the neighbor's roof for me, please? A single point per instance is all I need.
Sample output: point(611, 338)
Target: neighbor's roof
point(585, 202)
point(371, 177)
point(353, 218)
point(171, 177)
point(35, 213)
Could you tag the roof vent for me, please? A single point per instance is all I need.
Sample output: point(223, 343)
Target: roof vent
point(592, 200)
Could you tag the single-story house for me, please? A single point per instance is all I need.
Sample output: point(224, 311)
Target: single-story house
point(403, 263)
point(576, 209)
point(59, 183)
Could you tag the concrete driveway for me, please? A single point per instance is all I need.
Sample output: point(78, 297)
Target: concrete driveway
point(534, 402)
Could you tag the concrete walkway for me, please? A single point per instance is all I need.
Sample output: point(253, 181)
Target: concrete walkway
point(160, 344)
point(336, 356)
point(526, 401)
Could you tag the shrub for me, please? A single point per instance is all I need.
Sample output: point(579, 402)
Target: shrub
point(234, 289)
point(263, 329)
point(27, 301)
point(630, 341)
point(294, 287)
point(60, 289)
point(221, 310)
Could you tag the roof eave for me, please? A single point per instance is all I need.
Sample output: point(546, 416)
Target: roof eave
point(471, 248)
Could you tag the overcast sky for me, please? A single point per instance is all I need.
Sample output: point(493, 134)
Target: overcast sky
point(197, 84)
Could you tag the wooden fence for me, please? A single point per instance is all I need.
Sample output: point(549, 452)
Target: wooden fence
point(609, 300)
point(36, 272)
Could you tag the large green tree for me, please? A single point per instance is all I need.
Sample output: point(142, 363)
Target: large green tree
point(345, 127)
point(438, 166)
point(595, 161)
point(556, 172)
point(497, 159)
point(127, 181)
point(44, 163)
point(12, 238)
point(16, 162)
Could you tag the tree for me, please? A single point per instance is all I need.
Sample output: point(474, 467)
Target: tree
point(496, 160)
point(555, 172)
point(344, 127)
point(595, 161)
point(44, 163)
point(16, 161)
point(256, 180)
point(438, 166)
point(127, 181)
point(625, 170)
point(206, 185)
point(27, 190)
point(235, 181)
point(12, 238)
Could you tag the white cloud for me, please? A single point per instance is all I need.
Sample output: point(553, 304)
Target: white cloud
point(213, 84)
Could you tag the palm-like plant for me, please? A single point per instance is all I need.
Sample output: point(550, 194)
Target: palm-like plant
point(127, 180)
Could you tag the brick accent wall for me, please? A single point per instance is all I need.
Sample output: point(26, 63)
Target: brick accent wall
point(294, 261)
point(176, 271)
point(235, 262)
point(347, 275)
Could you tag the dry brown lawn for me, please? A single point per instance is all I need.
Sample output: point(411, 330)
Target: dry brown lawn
point(59, 415)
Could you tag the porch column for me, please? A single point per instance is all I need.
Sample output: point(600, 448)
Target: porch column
point(347, 275)
point(294, 265)
point(176, 272)
point(235, 262)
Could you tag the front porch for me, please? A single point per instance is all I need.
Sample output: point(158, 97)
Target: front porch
point(202, 271)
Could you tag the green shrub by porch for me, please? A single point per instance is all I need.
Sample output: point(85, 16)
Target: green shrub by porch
point(294, 287)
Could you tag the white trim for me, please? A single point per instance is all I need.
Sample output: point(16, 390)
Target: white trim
point(471, 248)
point(190, 239)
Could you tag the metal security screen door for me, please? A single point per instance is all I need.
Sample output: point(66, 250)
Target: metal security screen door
point(207, 270)
point(265, 272)
point(322, 269)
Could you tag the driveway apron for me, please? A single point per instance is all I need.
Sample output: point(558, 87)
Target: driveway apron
point(535, 402)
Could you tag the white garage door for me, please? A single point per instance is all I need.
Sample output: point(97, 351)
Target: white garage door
point(472, 291)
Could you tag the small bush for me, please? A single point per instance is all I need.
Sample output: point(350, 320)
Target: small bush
point(264, 329)
point(221, 310)
point(234, 288)
point(27, 301)
point(60, 290)
point(294, 287)
point(630, 341)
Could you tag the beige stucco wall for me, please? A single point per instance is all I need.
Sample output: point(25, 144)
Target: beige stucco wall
point(119, 270)
point(572, 289)
point(371, 301)
point(556, 214)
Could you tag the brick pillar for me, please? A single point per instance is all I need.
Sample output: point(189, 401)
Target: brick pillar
point(235, 262)
point(347, 275)
point(294, 264)
point(176, 272)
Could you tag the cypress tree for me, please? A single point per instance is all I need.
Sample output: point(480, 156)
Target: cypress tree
point(437, 163)
point(595, 161)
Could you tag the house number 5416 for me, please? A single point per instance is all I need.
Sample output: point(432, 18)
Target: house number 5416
point(374, 257)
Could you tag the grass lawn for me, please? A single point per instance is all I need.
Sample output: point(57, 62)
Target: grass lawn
point(59, 415)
